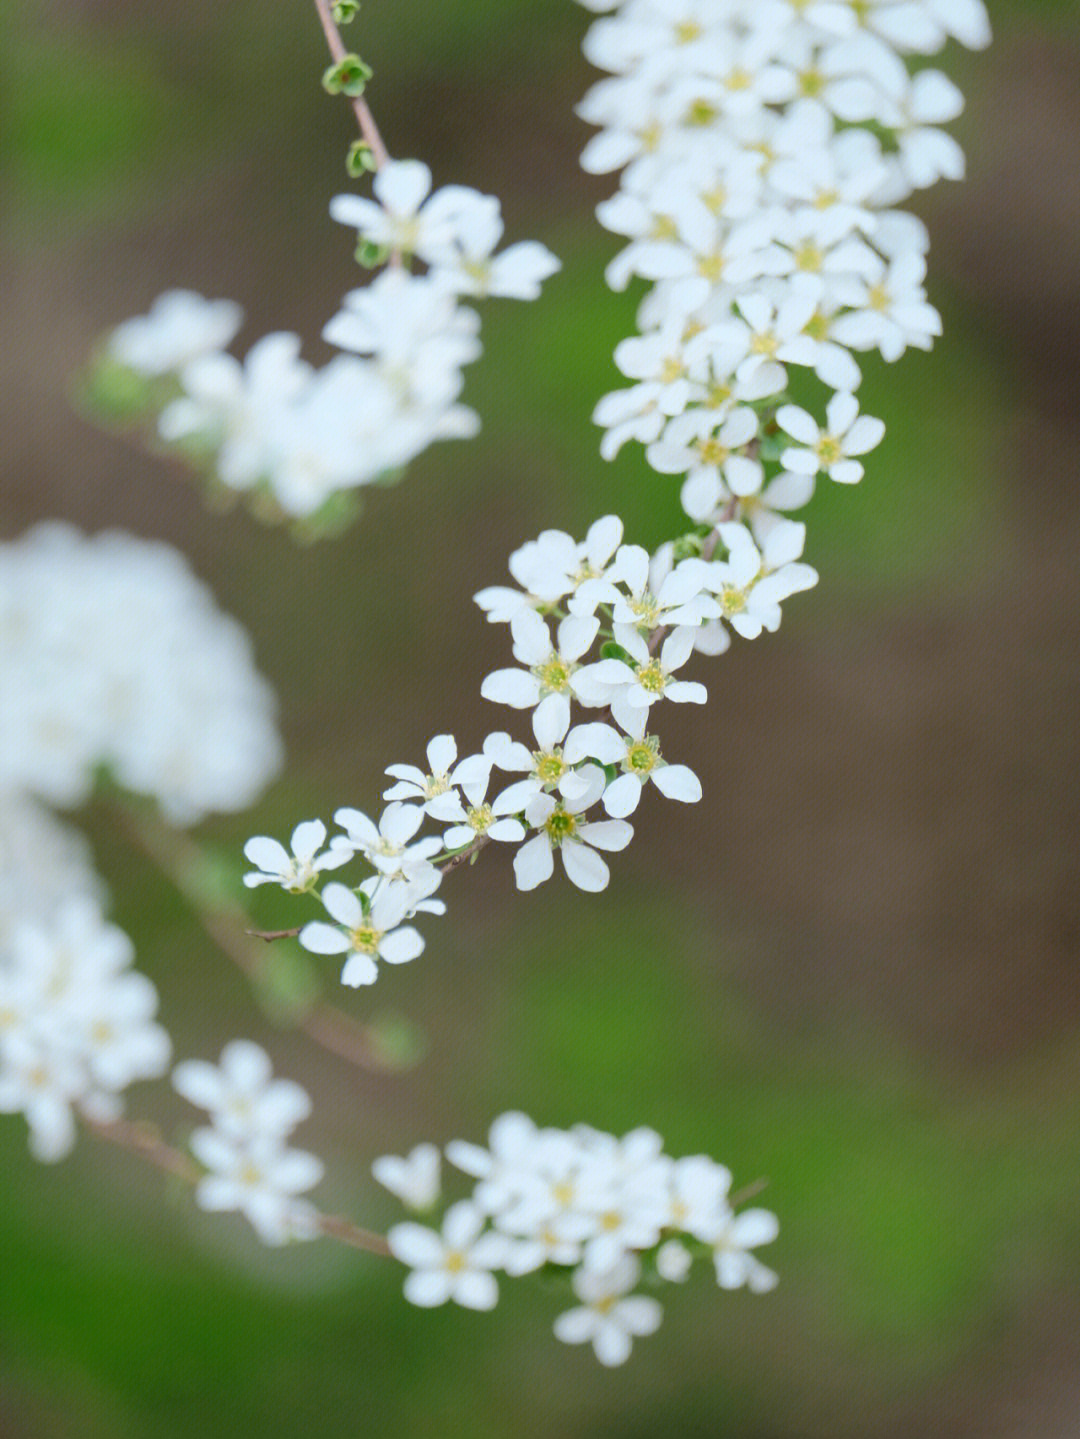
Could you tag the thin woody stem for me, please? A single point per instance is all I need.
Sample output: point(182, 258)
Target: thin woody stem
point(144, 1139)
point(364, 117)
point(226, 924)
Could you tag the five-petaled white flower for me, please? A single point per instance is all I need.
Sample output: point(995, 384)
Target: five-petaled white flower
point(647, 678)
point(847, 433)
point(371, 930)
point(559, 827)
point(296, 872)
point(552, 669)
point(455, 1265)
point(610, 1317)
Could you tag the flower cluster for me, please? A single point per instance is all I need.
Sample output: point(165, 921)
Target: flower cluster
point(112, 654)
point(598, 1208)
point(43, 862)
point(569, 788)
point(76, 1023)
point(764, 148)
point(297, 435)
point(249, 1166)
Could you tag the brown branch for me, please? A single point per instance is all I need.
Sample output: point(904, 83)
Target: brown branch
point(364, 117)
point(748, 1191)
point(227, 925)
point(144, 1139)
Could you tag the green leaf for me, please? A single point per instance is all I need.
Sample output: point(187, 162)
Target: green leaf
point(344, 11)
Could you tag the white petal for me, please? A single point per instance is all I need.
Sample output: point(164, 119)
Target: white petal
point(401, 946)
point(516, 688)
point(533, 863)
point(584, 867)
point(359, 970)
point(676, 781)
point(612, 835)
point(622, 795)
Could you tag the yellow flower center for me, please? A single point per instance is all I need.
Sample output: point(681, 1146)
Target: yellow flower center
point(642, 756)
point(560, 826)
point(701, 112)
point(480, 817)
point(732, 601)
point(550, 767)
point(554, 675)
point(652, 678)
point(366, 939)
point(828, 450)
point(711, 267)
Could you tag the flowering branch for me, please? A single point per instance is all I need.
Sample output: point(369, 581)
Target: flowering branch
point(144, 1140)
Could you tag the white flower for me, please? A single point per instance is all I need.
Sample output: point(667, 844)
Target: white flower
point(607, 1318)
point(479, 819)
point(638, 756)
point(559, 827)
point(76, 1022)
point(455, 1265)
point(386, 846)
point(114, 656)
point(368, 932)
point(552, 669)
point(180, 327)
point(673, 1261)
point(830, 450)
point(398, 217)
point(414, 1179)
point(546, 766)
point(710, 455)
point(750, 584)
point(243, 1099)
point(890, 310)
point(295, 872)
point(647, 679)
point(738, 1234)
point(444, 773)
point(261, 1178)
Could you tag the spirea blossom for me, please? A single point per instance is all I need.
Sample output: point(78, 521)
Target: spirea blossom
point(762, 208)
point(76, 1023)
point(294, 436)
point(600, 1208)
point(249, 1166)
point(113, 654)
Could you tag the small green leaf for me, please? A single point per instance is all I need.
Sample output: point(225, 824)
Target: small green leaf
point(609, 650)
point(345, 10)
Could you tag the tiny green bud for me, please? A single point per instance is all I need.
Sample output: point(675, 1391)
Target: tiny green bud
point(370, 255)
point(687, 547)
point(360, 159)
point(344, 10)
point(347, 76)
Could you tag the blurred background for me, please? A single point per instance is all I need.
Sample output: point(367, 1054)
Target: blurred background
point(851, 970)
